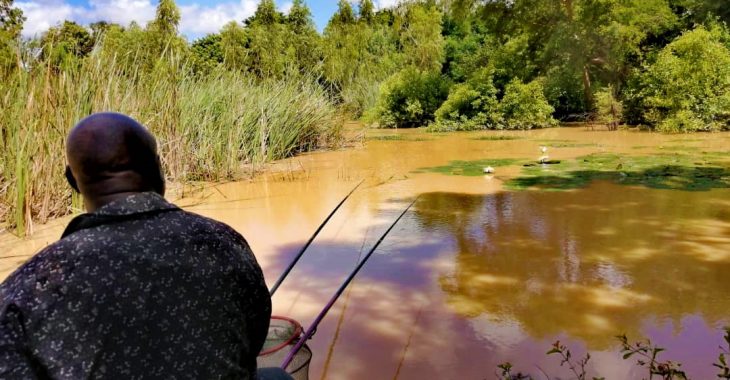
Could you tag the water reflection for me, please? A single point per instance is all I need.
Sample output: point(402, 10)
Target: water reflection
point(469, 281)
point(589, 264)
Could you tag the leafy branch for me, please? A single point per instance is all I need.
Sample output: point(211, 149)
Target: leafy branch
point(648, 356)
point(721, 360)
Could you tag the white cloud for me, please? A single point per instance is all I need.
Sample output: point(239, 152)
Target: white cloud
point(387, 3)
point(119, 11)
point(286, 7)
point(199, 19)
point(196, 19)
point(42, 15)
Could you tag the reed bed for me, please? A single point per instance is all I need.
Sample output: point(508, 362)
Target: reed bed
point(212, 128)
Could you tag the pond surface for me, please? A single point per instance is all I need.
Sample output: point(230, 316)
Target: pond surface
point(630, 233)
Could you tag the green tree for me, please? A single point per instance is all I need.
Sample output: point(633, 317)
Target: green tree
point(161, 39)
point(421, 39)
point(467, 47)
point(304, 50)
point(410, 98)
point(471, 105)
point(597, 38)
point(300, 17)
point(578, 45)
point(11, 23)
point(234, 41)
point(344, 14)
point(11, 19)
point(65, 44)
point(525, 107)
point(269, 53)
point(265, 14)
point(70, 37)
point(99, 29)
point(609, 110)
point(206, 54)
point(700, 11)
point(688, 87)
point(167, 19)
point(366, 11)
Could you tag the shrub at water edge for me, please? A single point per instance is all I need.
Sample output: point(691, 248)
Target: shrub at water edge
point(410, 98)
point(687, 89)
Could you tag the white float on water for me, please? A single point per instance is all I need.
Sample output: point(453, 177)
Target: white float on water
point(544, 158)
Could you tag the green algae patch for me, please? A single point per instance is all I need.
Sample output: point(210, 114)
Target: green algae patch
point(679, 171)
point(555, 143)
point(573, 145)
point(497, 138)
point(680, 148)
point(395, 138)
point(469, 168)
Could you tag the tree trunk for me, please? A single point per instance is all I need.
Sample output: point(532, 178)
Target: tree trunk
point(587, 87)
point(568, 4)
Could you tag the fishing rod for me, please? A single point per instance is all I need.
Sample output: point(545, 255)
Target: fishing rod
point(339, 292)
point(309, 242)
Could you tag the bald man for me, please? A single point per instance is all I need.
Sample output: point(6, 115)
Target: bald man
point(136, 288)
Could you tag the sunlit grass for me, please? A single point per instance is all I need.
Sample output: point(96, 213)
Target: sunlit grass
point(216, 128)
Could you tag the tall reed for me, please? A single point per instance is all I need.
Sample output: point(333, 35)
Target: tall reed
point(207, 128)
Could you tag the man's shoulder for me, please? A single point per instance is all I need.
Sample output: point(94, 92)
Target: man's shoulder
point(51, 259)
point(211, 225)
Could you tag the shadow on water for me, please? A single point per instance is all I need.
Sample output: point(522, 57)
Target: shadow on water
point(491, 278)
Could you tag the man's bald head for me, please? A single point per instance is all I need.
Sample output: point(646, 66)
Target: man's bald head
point(112, 155)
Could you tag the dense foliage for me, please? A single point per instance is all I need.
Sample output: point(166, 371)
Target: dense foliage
point(688, 87)
point(446, 64)
point(575, 49)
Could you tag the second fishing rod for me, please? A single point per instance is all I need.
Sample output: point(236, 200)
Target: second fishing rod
point(310, 331)
point(309, 242)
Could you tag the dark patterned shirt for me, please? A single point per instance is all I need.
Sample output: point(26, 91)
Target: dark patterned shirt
point(138, 289)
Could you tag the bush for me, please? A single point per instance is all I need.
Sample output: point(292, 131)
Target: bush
point(471, 105)
point(524, 106)
point(609, 110)
point(688, 87)
point(681, 121)
point(410, 98)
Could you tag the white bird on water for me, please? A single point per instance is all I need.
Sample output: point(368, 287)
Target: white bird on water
point(544, 158)
point(488, 170)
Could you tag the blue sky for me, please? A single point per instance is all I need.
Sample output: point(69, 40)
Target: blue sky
point(199, 17)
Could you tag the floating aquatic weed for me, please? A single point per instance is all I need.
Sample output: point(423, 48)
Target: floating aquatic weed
point(468, 168)
point(572, 145)
point(497, 138)
point(677, 171)
point(396, 138)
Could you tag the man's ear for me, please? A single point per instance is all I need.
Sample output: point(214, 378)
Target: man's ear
point(71, 180)
point(159, 180)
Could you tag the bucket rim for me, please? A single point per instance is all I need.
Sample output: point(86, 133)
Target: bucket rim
point(298, 330)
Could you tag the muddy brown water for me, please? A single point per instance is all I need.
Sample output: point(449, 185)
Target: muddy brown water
point(476, 274)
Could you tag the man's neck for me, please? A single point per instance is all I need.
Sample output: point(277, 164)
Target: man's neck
point(94, 203)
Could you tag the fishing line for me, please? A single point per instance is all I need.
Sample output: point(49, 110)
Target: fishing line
point(341, 319)
point(339, 291)
point(309, 242)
